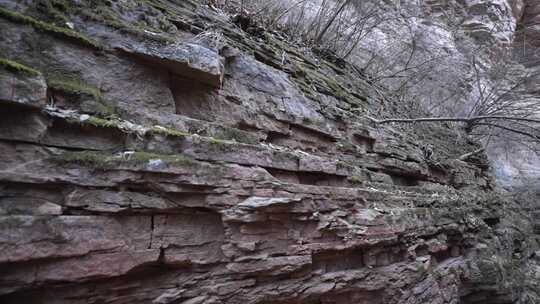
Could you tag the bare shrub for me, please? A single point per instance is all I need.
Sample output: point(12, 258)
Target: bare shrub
point(333, 25)
point(502, 111)
point(477, 87)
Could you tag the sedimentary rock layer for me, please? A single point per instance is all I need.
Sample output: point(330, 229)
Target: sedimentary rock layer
point(143, 165)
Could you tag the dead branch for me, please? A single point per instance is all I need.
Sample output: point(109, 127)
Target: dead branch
point(466, 156)
point(470, 120)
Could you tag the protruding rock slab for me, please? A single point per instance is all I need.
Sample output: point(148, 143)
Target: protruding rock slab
point(188, 60)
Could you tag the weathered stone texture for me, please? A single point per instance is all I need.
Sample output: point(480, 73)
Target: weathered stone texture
point(225, 177)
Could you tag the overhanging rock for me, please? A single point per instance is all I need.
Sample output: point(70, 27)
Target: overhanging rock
point(191, 61)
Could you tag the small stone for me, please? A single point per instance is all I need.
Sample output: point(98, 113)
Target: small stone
point(49, 209)
point(156, 164)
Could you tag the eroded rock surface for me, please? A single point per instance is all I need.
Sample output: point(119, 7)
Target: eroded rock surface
point(144, 171)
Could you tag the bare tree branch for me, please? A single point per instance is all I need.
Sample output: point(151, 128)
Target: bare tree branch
point(512, 130)
point(471, 154)
point(472, 119)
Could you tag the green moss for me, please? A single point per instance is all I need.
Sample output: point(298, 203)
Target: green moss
point(306, 120)
point(236, 135)
point(78, 88)
point(54, 11)
point(169, 132)
point(156, 5)
point(104, 14)
point(72, 86)
point(104, 108)
point(101, 160)
point(345, 145)
point(335, 86)
point(355, 180)
point(215, 141)
point(49, 28)
point(223, 136)
point(219, 145)
point(15, 67)
point(310, 79)
point(170, 159)
point(113, 122)
point(104, 123)
point(86, 158)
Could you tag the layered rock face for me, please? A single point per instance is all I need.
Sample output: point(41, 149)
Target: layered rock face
point(526, 42)
point(154, 152)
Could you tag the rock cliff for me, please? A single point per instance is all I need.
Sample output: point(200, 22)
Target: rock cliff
point(154, 151)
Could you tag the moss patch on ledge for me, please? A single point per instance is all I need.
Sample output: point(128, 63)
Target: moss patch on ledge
point(116, 123)
point(232, 134)
point(48, 28)
point(107, 18)
point(153, 23)
point(102, 123)
point(168, 132)
point(103, 161)
point(16, 67)
point(77, 89)
point(355, 180)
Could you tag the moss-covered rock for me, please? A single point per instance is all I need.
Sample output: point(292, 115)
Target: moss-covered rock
point(103, 161)
point(76, 87)
point(355, 180)
point(89, 98)
point(103, 123)
point(16, 67)
point(49, 28)
point(169, 132)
